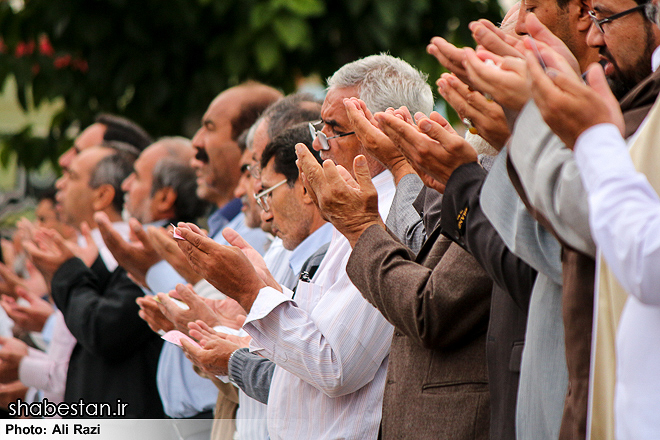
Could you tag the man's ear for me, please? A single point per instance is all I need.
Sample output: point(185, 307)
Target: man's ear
point(584, 21)
point(103, 197)
point(305, 197)
point(163, 200)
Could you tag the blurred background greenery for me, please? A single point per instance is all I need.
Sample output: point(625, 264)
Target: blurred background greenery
point(161, 62)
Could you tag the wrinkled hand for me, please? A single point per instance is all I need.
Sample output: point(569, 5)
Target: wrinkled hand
point(11, 392)
point(486, 116)
point(135, 257)
point(435, 147)
point(567, 105)
point(12, 351)
point(227, 268)
point(166, 247)
point(229, 312)
point(202, 332)
point(150, 312)
point(9, 281)
point(32, 317)
point(48, 252)
point(374, 140)
point(350, 205)
point(214, 355)
point(198, 308)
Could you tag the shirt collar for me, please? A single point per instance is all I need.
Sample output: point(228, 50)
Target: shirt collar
point(655, 59)
point(221, 216)
point(308, 246)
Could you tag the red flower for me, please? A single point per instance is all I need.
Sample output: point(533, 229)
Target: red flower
point(45, 48)
point(24, 48)
point(62, 62)
point(80, 64)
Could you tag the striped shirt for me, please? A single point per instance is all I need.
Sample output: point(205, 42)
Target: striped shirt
point(331, 348)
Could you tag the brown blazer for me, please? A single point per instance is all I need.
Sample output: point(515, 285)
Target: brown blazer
point(439, 304)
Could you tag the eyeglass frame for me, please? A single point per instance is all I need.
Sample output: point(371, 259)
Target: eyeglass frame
point(262, 199)
point(253, 169)
point(599, 23)
point(323, 139)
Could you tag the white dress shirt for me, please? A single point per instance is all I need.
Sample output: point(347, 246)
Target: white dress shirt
point(251, 415)
point(625, 223)
point(331, 348)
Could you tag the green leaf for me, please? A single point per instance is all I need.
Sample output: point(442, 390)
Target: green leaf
point(292, 31)
point(261, 15)
point(309, 8)
point(267, 51)
point(388, 12)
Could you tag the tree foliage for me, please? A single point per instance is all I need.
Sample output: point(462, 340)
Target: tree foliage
point(161, 62)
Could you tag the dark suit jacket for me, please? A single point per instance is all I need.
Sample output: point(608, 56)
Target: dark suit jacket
point(464, 222)
point(116, 353)
point(439, 303)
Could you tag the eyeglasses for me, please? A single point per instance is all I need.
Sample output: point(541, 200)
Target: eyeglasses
point(599, 23)
point(323, 139)
point(254, 170)
point(262, 197)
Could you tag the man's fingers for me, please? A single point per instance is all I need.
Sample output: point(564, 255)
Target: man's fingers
point(344, 174)
point(190, 348)
point(186, 294)
point(492, 40)
point(198, 241)
point(28, 296)
point(86, 232)
point(310, 167)
point(543, 88)
point(140, 233)
point(434, 130)
point(235, 239)
point(110, 236)
point(196, 229)
point(542, 34)
point(362, 173)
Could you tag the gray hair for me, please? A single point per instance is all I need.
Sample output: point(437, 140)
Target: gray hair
point(112, 170)
point(285, 113)
point(385, 81)
point(174, 171)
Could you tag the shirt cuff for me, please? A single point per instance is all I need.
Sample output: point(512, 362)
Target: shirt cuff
point(600, 153)
point(33, 370)
point(266, 301)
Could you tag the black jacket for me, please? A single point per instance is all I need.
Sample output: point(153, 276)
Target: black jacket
point(116, 353)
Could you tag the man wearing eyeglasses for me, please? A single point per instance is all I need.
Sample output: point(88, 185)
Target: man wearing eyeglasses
point(330, 345)
point(546, 175)
point(624, 34)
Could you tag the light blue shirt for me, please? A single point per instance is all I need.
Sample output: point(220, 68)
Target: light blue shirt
point(311, 244)
point(183, 392)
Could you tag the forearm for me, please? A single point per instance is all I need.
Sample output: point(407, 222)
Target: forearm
point(403, 219)
point(421, 302)
point(325, 347)
point(625, 211)
point(464, 222)
point(252, 373)
point(551, 179)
